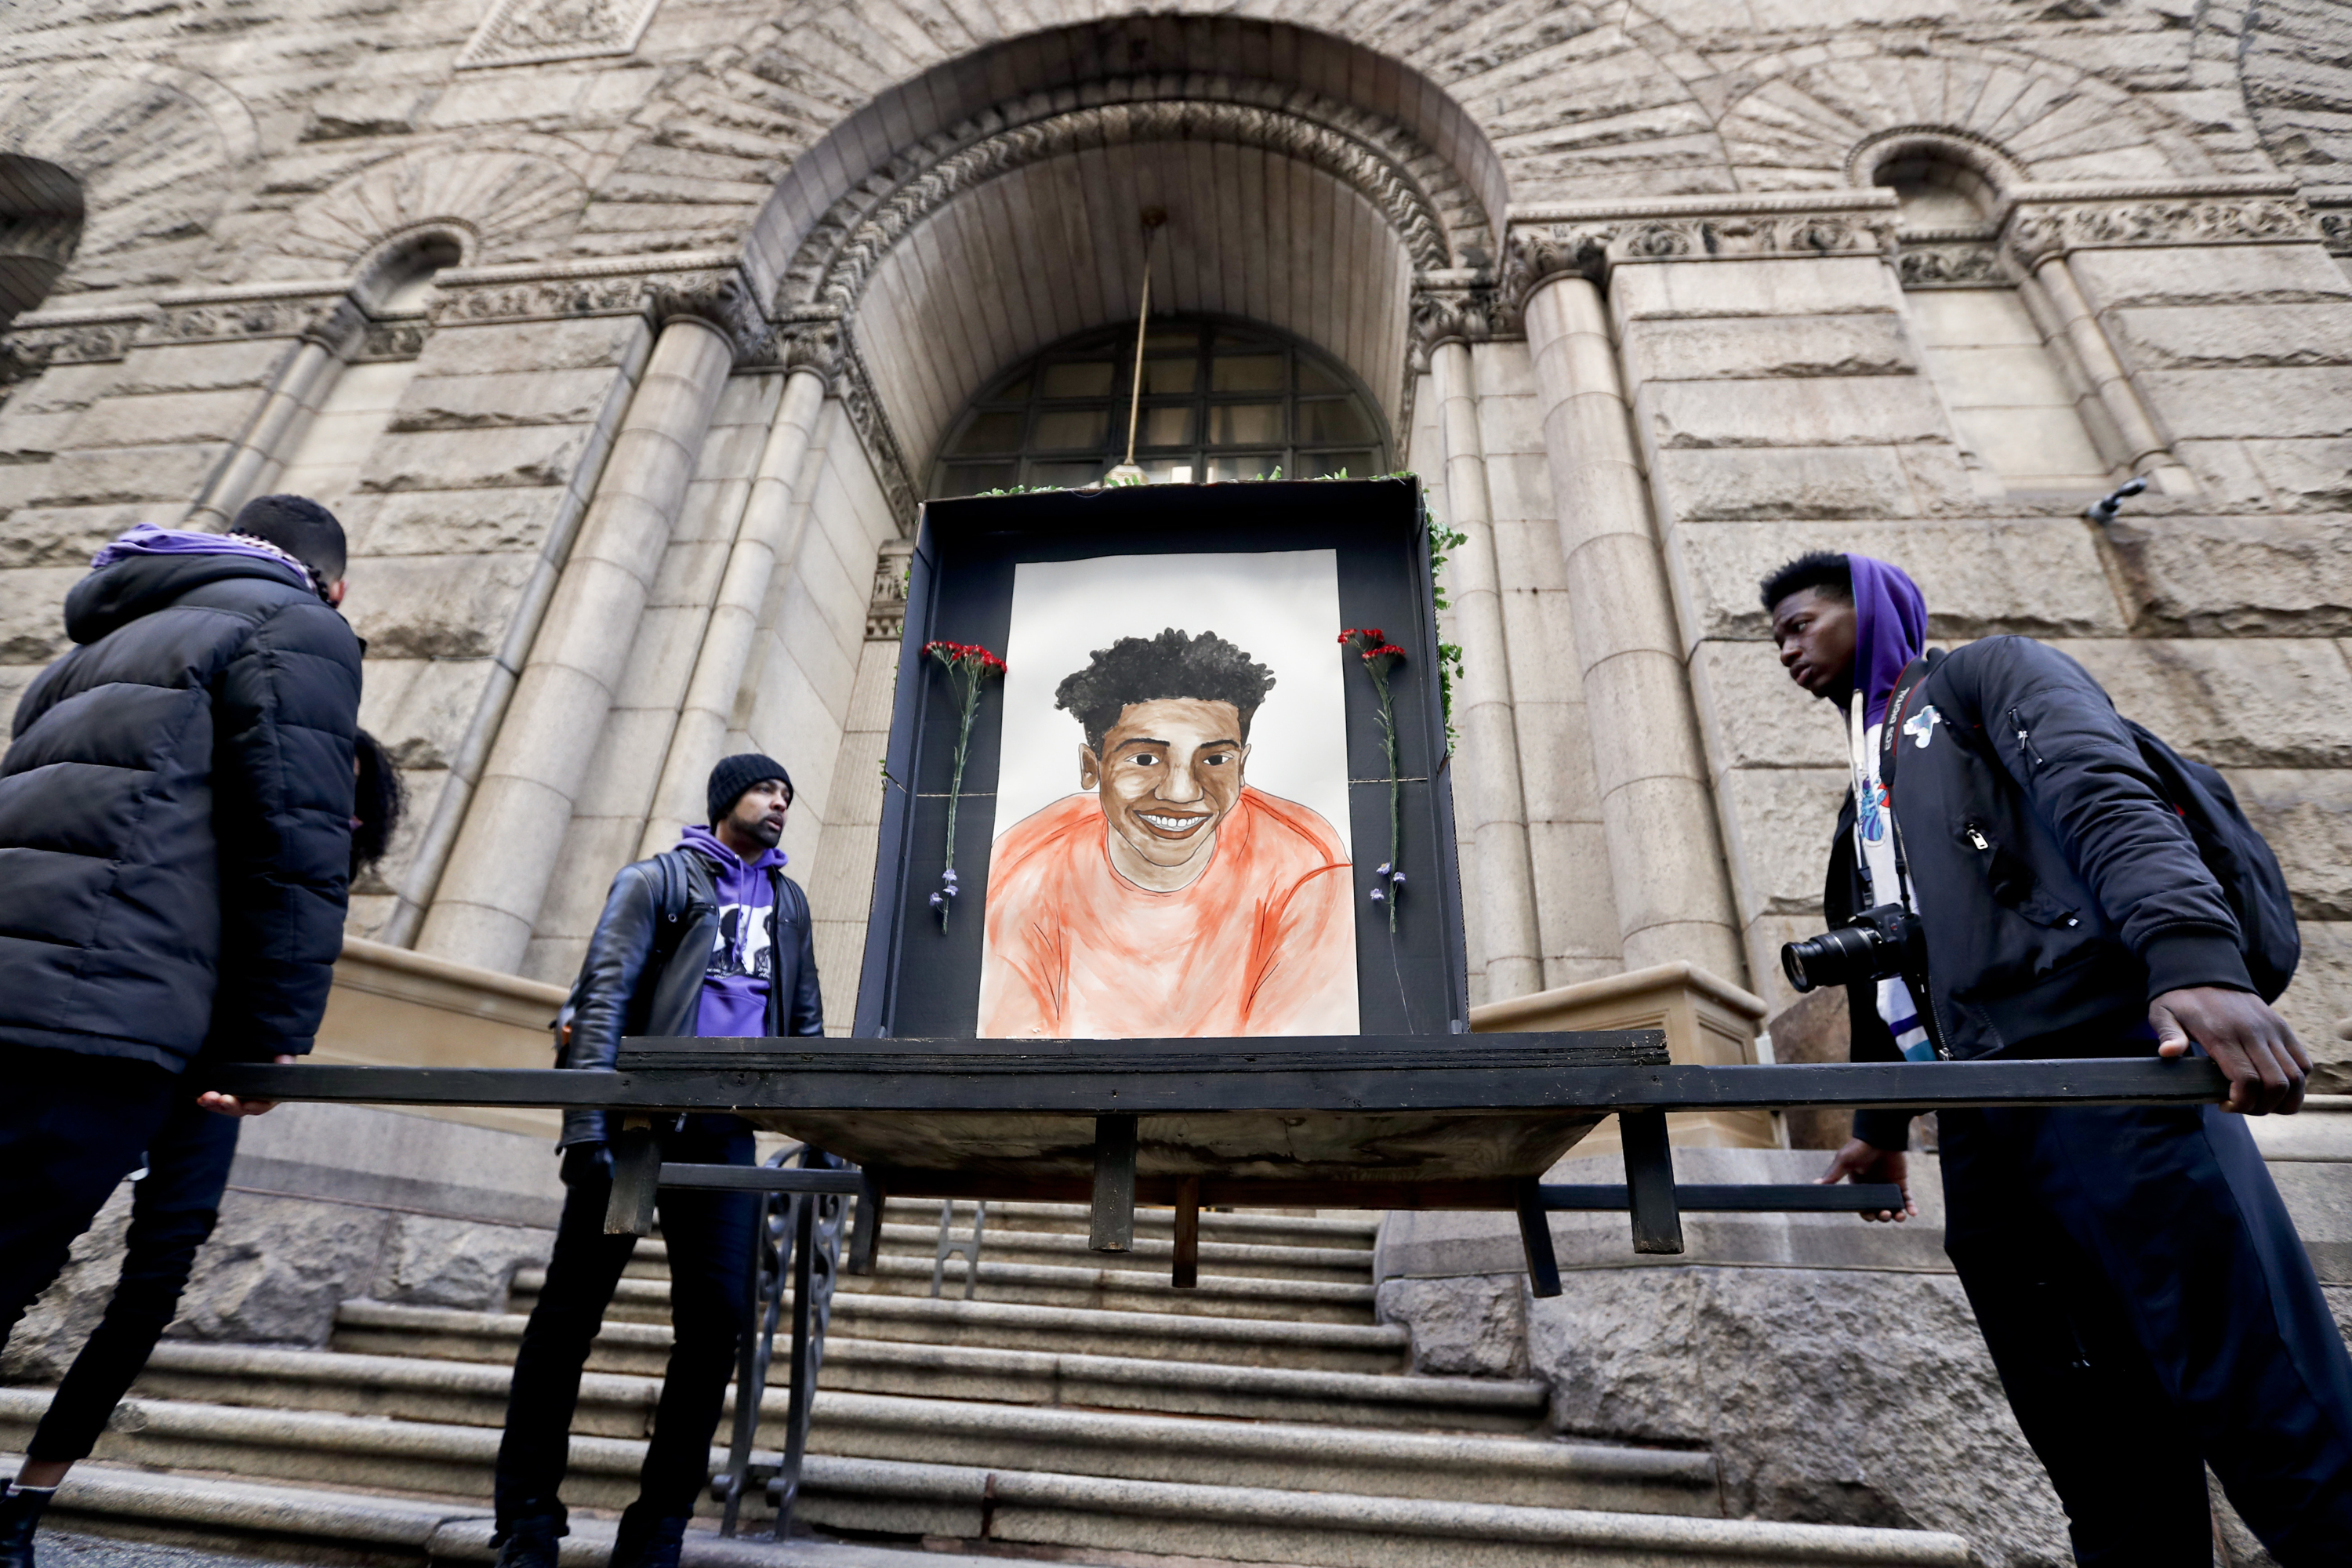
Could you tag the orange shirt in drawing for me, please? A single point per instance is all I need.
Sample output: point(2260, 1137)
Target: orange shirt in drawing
point(1263, 942)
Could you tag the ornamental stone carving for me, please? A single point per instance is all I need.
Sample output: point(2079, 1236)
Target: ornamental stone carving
point(64, 337)
point(458, 297)
point(1431, 211)
point(886, 611)
point(1591, 241)
point(2334, 228)
point(722, 299)
point(811, 337)
point(521, 32)
point(707, 286)
point(855, 387)
point(397, 338)
point(328, 316)
point(2041, 228)
point(1458, 306)
point(1949, 264)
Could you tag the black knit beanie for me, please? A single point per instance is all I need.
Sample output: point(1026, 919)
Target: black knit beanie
point(735, 774)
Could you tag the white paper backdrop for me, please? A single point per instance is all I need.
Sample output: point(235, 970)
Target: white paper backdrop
point(1281, 608)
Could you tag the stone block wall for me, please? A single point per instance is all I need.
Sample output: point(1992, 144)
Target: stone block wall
point(325, 1204)
point(1833, 1368)
point(461, 515)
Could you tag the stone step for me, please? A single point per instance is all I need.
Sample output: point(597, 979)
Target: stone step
point(1103, 1290)
point(1352, 1232)
point(1232, 1259)
point(1004, 1510)
point(1532, 1471)
point(305, 1525)
point(1005, 1325)
point(914, 1229)
point(1005, 1376)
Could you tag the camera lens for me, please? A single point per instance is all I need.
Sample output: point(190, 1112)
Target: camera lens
point(1833, 958)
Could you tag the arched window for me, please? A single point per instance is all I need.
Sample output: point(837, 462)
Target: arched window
point(2007, 388)
point(1220, 401)
point(40, 224)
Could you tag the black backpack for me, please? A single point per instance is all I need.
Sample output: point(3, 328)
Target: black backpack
point(2237, 855)
point(670, 898)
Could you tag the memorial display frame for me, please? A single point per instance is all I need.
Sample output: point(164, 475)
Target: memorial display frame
point(921, 976)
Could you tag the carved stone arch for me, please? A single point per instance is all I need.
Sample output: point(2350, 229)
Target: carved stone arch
point(508, 205)
point(155, 150)
point(829, 119)
point(1438, 218)
point(1801, 125)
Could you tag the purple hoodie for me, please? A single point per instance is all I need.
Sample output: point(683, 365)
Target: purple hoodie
point(1890, 629)
point(743, 968)
point(146, 539)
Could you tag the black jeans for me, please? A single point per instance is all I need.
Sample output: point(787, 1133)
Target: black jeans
point(2152, 1310)
point(709, 1238)
point(71, 1127)
point(172, 1210)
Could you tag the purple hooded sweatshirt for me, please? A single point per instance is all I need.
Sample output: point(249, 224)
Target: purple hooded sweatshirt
point(742, 967)
point(146, 539)
point(1890, 629)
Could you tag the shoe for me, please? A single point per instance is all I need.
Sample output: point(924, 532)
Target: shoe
point(526, 1544)
point(20, 1514)
point(643, 1541)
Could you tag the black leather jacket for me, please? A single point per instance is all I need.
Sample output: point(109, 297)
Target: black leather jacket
point(2058, 890)
point(642, 975)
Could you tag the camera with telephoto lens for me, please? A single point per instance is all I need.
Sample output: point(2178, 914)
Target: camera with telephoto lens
point(1873, 945)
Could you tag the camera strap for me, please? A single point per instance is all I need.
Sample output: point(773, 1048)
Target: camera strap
point(1890, 730)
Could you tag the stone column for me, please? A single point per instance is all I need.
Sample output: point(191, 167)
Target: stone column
point(760, 542)
point(1503, 899)
point(514, 831)
point(1666, 851)
point(294, 397)
point(2144, 449)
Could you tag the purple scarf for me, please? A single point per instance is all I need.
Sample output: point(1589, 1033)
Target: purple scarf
point(146, 539)
point(1890, 629)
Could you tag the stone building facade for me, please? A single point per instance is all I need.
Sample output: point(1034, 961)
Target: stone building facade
point(626, 336)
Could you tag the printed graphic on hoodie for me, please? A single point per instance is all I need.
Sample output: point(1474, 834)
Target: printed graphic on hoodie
point(742, 945)
point(736, 981)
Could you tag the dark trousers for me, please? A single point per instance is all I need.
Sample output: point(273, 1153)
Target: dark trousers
point(172, 1210)
point(71, 1127)
point(2152, 1310)
point(709, 1238)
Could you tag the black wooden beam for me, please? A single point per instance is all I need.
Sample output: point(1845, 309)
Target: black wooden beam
point(760, 1179)
point(1650, 1182)
point(1742, 1197)
point(1111, 1214)
point(1461, 1082)
point(1535, 1241)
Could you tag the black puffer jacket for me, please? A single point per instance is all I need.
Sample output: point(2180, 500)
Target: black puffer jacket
point(644, 972)
point(175, 817)
point(2058, 891)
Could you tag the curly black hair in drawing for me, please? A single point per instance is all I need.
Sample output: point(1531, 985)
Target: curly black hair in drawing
point(1205, 668)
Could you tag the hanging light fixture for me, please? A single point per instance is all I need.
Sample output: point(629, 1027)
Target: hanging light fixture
point(1126, 471)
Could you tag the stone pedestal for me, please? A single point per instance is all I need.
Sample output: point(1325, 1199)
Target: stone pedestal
point(392, 1007)
point(1708, 1022)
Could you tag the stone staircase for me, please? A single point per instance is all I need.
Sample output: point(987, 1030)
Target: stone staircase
point(1079, 1409)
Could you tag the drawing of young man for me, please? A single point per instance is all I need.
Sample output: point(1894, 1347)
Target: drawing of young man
point(1172, 899)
